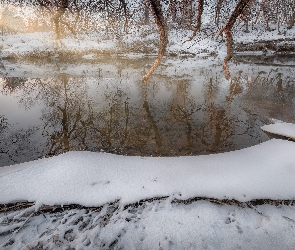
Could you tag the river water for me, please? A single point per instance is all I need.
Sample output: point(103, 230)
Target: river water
point(100, 103)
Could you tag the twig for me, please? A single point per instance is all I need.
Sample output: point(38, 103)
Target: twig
point(251, 206)
point(287, 218)
point(17, 230)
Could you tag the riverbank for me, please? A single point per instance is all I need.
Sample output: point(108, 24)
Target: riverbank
point(145, 202)
point(144, 41)
point(242, 199)
point(153, 224)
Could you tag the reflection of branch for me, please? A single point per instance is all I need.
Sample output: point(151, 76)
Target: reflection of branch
point(77, 119)
point(186, 118)
point(250, 85)
point(235, 87)
point(229, 52)
point(126, 109)
point(156, 10)
point(218, 131)
point(153, 124)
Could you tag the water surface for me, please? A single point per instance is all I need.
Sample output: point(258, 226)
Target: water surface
point(100, 103)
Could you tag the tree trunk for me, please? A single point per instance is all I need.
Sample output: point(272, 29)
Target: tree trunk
point(240, 8)
point(56, 22)
point(217, 12)
point(173, 10)
point(199, 20)
point(292, 18)
point(156, 10)
point(146, 16)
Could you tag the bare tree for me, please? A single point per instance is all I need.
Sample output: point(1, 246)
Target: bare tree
point(227, 29)
point(199, 20)
point(292, 15)
point(156, 10)
point(217, 12)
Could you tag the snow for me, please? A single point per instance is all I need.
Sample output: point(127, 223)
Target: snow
point(152, 225)
point(145, 38)
point(96, 35)
point(281, 128)
point(265, 171)
point(42, 43)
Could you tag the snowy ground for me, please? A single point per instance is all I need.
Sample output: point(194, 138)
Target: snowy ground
point(149, 203)
point(24, 35)
point(265, 171)
point(246, 201)
point(43, 44)
point(152, 225)
point(281, 128)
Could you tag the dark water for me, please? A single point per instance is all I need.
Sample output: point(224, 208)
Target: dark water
point(187, 108)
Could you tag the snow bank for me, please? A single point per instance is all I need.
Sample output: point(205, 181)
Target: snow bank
point(281, 128)
point(91, 179)
point(154, 225)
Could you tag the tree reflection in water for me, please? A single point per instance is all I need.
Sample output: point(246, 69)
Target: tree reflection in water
point(169, 115)
point(17, 145)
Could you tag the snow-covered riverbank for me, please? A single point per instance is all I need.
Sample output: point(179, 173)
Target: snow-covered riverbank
point(43, 44)
point(25, 33)
point(265, 171)
point(130, 216)
point(152, 225)
point(236, 200)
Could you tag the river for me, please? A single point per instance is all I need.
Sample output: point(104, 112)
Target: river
point(100, 103)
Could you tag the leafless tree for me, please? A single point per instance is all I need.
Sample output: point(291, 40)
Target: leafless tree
point(227, 30)
point(157, 12)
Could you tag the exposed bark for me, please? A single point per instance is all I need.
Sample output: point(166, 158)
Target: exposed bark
point(146, 16)
point(124, 6)
point(264, 9)
point(189, 10)
point(292, 17)
point(156, 10)
point(56, 21)
point(217, 12)
point(199, 20)
point(239, 10)
point(186, 10)
point(173, 9)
